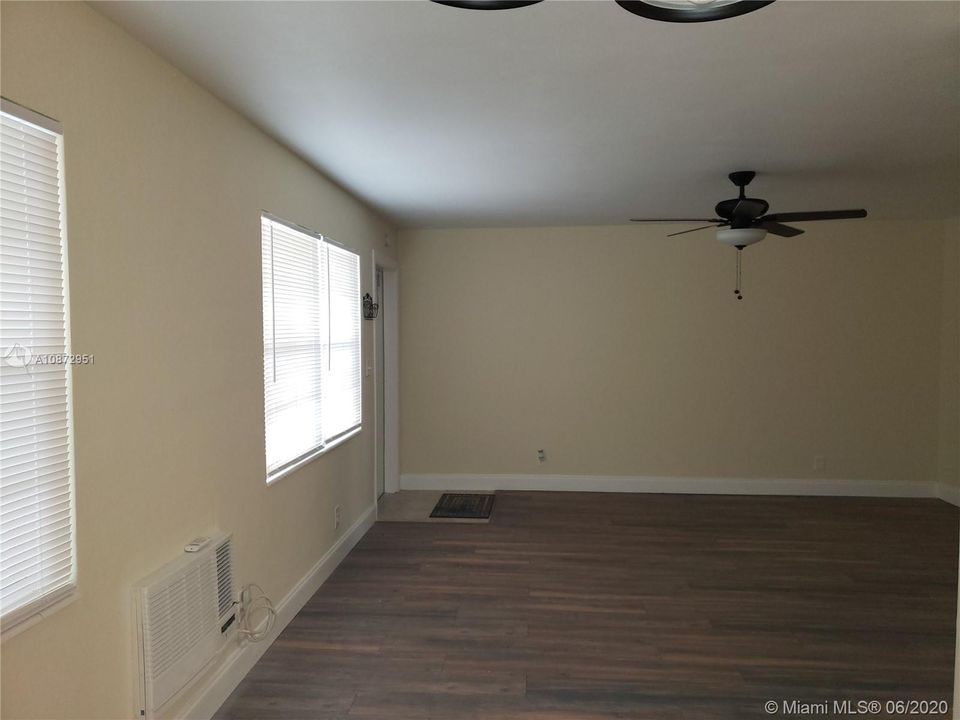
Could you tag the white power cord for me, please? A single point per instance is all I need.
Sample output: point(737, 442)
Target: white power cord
point(249, 606)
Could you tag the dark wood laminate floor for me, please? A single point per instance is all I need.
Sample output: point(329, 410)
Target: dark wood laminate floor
point(582, 606)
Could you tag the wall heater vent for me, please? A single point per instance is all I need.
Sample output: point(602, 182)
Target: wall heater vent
point(224, 577)
point(184, 613)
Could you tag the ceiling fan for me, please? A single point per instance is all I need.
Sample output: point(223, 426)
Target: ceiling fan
point(743, 221)
point(678, 11)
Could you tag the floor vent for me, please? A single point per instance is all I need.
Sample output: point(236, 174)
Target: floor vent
point(463, 505)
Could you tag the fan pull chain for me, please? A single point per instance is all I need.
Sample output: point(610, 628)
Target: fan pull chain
point(737, 290)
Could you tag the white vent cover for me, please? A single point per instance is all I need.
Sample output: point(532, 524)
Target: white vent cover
point(224, 576)
point(183, 614)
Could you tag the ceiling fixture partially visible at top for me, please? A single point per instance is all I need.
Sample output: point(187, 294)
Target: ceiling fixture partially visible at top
point(487, 4)
point(681, 11)
point(687, 11)
point(744, 221)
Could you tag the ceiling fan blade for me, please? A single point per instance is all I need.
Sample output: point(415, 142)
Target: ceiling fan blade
point(684, 232)
point(684, 220)
point(815, 215)
point(780, 229)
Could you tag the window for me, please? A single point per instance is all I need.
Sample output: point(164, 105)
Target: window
point(311, 344)
point(37, 549)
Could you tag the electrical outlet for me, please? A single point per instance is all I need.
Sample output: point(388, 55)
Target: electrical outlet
point(819, 463)
point(541, 456)
point(336, 517)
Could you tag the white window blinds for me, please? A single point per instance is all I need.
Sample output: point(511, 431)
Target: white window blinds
point(341, 388)
point(37, 553)
point(311, 344)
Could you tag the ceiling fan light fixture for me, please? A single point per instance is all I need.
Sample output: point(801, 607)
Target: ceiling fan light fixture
point(487, 4)
point(741, 237)
point(687, 11)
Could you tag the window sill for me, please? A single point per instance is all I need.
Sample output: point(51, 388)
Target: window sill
point(60, 600)
point(307, 459)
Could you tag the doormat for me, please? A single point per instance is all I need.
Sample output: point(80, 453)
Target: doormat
point(463, 505)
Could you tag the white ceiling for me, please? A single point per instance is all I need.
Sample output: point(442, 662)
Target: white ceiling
point(581, 113)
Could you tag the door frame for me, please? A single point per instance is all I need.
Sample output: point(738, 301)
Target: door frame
point(390, 317)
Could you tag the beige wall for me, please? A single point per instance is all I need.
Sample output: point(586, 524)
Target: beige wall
point(622, 352)
point(949, 447)
point(164, 188)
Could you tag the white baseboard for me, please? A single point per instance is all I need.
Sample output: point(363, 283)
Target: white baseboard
point(238, 663)
point(684, 485)
point(949, 493)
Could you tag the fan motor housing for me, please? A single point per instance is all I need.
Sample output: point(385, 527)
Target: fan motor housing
point(744, 210)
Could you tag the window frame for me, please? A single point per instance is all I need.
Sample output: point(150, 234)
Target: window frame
point(336, 441)
point(25, 616)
